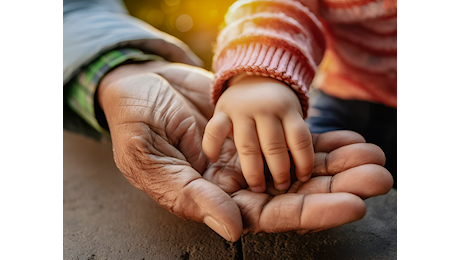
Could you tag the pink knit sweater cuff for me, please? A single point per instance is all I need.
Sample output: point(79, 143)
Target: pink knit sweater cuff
point(260, 59)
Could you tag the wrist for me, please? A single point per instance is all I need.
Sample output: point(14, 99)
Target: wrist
point(237, 78)
point(244, 76)
point(123, 71)
point(251, 94)
point(81, 94)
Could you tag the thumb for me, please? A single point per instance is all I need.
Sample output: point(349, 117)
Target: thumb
point(175, 185)
point(202, 201)
point(190, 143)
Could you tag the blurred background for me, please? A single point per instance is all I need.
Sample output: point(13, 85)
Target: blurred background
point(196, 22)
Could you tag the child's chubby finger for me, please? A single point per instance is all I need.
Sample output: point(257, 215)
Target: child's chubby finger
point(299, 142)
point(217, 129)
point(247, 144)
point(273, 145)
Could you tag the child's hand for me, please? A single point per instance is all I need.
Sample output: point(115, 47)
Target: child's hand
point(264, 115)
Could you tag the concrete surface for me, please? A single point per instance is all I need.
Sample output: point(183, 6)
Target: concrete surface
point(373, 237)
point(107, 218)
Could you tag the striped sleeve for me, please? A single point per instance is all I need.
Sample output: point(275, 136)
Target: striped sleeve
point(285, 40)
point(273, 38)
point(82, 87)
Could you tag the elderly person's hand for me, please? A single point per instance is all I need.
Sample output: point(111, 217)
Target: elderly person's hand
point(157, 112)
point(156, 125)
point(347, 170)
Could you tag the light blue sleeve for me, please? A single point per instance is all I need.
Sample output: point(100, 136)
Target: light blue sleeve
point(92, 27)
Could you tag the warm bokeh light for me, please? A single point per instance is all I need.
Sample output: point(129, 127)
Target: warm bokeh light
point(155, 17)
point(213, 13)
point(196, 22)
point(172, 2)
point(184, 23)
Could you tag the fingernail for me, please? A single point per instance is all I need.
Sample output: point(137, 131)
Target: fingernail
point(218, 228)
point(305, 178)
point(283, 186)
point(213, 160)
point(257, 189)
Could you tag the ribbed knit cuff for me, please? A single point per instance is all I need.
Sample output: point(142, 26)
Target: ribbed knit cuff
point(260, 59)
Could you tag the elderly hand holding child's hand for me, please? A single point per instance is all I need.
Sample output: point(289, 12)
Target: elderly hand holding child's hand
point(265, 117)
point(157, 112)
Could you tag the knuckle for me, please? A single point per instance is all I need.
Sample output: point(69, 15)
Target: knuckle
point(217, 128)
point(277, 105)
point(211, 133)
point(248, 149)
point(275, 148)
point(302, 144)
point(282, 175)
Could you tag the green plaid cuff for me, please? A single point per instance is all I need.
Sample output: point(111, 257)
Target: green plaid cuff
point(82, 87)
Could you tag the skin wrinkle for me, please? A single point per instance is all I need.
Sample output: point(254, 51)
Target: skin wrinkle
point(150, 148)
point(246, 220)
point(170, 206)
point(234, 194)
point(236, 181)
point(171, 115)
point(177, 137)
point(127, 172)
point(136, 106)
point(162, 135)
point(190, 137)
point(152, 111)
point(343, 166)
point(228, 165)
point(182, 189)
point(130, 122)
point(164, 114)
point(326, 163)
point(267, 200)
point(178, 110)
point(301, 209)
point(275, 148)
point(143, 162)
point(167, 195)
point(330, 183)
point(235, 169)
point(230, 185)
point(193, 192)
point(161, 111)
point(249, 225)
point(247, 150)
point(131, 171)
point(294, 187)
point(149, 166)
point(211, 134)
point(302, 145)
point(155, 101)
point(138, 99)
point(191, 130)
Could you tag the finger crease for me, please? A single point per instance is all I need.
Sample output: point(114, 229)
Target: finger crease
point(189, 182)
point(330, 184)
point(263, 208)
point(325, 163)
point(301, 210)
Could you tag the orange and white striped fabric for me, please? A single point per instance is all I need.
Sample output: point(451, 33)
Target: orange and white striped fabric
point(350, 44)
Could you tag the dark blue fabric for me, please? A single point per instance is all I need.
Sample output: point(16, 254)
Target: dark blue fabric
point(376, 122)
